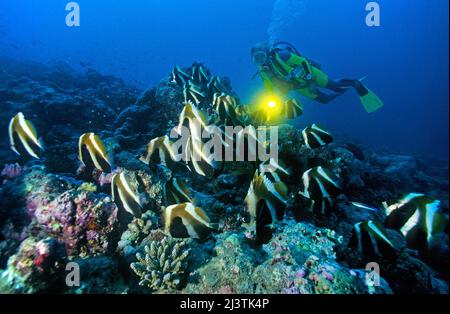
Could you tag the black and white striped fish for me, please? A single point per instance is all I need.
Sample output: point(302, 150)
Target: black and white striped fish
point(125, 197)
point(198, 158)
point(265, 203)
point(193, 118)
point(215, 85)
point(320, 187)
point(316, 136)
point(92, 152)
point(200, 74)
point(23, 137)
point(185, 220)
point(292, 109)
point(418, 217)
point(371, 239)
point(176, 192)
point(180, 77)
point(225, 106)
point(275, 170)
point(160, 151)
point(194, 92)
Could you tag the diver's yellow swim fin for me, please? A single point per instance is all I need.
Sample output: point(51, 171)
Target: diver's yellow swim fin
point(370, 101)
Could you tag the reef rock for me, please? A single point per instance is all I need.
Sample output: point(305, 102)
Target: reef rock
point(299, 259)
point(38, 266)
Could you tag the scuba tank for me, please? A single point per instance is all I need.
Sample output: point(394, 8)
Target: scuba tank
point(284, 45)
point(301, 74)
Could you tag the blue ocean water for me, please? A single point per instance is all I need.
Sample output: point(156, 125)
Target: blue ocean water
point(405, 59)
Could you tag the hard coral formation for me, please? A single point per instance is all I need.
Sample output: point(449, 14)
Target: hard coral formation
point(138, 230)
point(82, 220)
point(162, 267)
point(67, 210)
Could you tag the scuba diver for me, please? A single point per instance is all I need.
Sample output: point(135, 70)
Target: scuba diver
point(282, 67)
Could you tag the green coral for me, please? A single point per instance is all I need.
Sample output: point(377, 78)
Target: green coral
point(88, 187)
point(163, 265)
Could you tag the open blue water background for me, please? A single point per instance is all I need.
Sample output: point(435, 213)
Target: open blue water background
point(405, 59)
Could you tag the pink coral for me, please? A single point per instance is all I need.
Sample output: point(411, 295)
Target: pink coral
point(104, 178)
point(11, 171)
point(82, 220)
point(300, 274)
point(226, 290)
point(36, 266)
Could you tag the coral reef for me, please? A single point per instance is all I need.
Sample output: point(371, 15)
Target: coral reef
point(11, 171)
point(138, 230)
point(300, 259)
point(82, 220)
point(51, 214)
point(37, 267)
point(163, 265)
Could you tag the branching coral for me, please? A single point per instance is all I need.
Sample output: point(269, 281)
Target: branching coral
point(163, 265)
point(138, 230)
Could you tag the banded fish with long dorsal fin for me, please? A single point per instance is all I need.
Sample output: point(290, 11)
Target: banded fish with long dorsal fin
point(176, 192)
point(291, 109)
point(125, 197)
point(215, 85)
point(92, 152)
point(316, 136)
point(200, 74)
point(418, 217)
point(180, 77)
point(194, 92)
point(159, 151)
point(248, 145)
point(186, 220)
point(193, 118)
point(320, 187)
point(265, 203)
point(276, 170)
point(198, 160)
point(23, 137)
point(371, 239)
point(225, 106)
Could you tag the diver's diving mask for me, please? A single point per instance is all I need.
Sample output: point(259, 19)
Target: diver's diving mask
point(260, 57)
